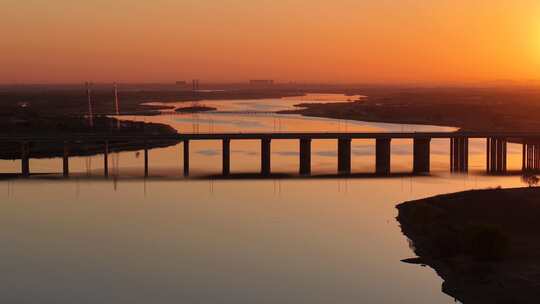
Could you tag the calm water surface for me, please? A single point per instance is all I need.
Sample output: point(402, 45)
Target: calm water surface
point(171, 240)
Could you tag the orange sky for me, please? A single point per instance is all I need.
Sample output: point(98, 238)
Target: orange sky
point(288, 40)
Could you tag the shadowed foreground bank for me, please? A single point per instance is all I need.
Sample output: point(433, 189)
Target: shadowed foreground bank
point(484, 244)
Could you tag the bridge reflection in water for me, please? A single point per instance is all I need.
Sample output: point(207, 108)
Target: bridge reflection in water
point(496, 149)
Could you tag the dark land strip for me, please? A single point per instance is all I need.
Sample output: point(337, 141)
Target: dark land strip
point(485, 244)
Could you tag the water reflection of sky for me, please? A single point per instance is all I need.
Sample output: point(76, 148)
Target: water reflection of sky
point(246, 119)
point(238, 122)
point(163, 241)
point(252, 124)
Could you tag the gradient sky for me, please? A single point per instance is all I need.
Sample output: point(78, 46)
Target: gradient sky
point(288, 40)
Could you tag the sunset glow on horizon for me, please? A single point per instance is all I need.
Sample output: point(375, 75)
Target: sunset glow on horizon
point(298, 40)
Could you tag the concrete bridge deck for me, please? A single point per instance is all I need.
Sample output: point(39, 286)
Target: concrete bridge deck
point(496, 148)
point(270, 135)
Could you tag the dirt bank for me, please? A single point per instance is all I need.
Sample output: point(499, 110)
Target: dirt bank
point(34, 125)
point(471, 109)
point(484, 244)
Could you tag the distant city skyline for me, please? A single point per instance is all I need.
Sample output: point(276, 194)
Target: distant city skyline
point(345, 41)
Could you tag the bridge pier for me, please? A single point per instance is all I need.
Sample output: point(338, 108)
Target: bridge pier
point(25, 159)
point(106, 159)
point(186, 157)
point(490, 154)
point(496, 155)
point(534, 156)
point(524, 158)
point(226, 162)
point(459, 154)
point(531, 157)
point(305, 156)
point(382, 156)
point(537, 157)
point(536, 162)
point(344, 155)
point(65, 160)
point(421, 155)
point(145, 159)
point(265, 156)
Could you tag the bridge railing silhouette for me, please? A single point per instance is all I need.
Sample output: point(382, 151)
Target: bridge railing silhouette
point(496, 148)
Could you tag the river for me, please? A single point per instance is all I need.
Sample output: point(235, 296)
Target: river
point(167, 239)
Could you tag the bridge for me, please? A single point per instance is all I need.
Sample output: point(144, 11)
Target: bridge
point(496, 148)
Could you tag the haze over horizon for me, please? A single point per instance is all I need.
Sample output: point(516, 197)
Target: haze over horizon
point(342, 41)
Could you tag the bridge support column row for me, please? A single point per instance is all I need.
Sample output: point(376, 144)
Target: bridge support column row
point(265, 156)
point(344, 155)
point(25, 160)
point(421, 155)
point(66, 154)
point(382, 156)
point(496, 155)
point(531, 157)
point(459, 154)
point(305, 156)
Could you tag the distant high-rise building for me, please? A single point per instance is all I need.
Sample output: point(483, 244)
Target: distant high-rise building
point(261, 82)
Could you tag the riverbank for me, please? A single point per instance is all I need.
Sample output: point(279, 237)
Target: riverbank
point(484, 244)
point(72, 100)
point(470, 109)
point(32, 124)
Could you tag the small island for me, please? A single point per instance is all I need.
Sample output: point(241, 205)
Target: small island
point(485, 244)
point(195, 109)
